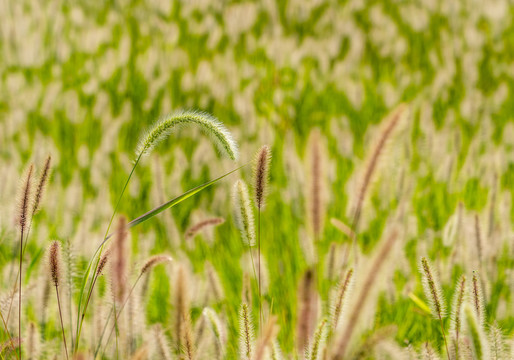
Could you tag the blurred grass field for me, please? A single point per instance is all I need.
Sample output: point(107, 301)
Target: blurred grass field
point(83, 80)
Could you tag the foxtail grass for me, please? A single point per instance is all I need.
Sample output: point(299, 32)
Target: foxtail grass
point(261, 179)
point(243, 212)
point(54, 260)
point(149, 264)
point(158, 132)
point(369, 281)
point(476, 334)
point(217, 329)
point(316, 347)
point(434, 294)
point(456, 318)
point(306, 310)
point(24, 203)
point(208, 123)
point(196, 228)
point(340, 298)
point(478, 298)
point(390, 124)
point(246, 332)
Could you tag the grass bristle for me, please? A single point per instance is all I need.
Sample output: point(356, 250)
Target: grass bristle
point(457, 302)
point(181, 304)
point(243, 213)
point(119, 261)
point(390, 124)
point(196, 228)
point(162, 348)
point(217, 329)
point(261, 175)
point(43, 179)
point(432, 289)
point(342, 342)
point(154, 261)
point(316, 348)
point(246, 332)
point(208, 123)
point(340, 297)
point(103, 262)
point(478, 298)
point(307, 311)
point(497, 343)
point(24, 199)
point(54, 260)
point(475, 333)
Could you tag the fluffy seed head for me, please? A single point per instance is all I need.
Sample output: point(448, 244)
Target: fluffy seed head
point(315, 350)
point(119, 261)
point(390, 124)
point(458, 301)
point(24, 199)
point(246, 332)
point(217, 328)
point(432, 289)
point(478, 298)
point(341, 296)
point(55, 262)
point(209, 124)
point(243, 212)
point(261, 175)
point(43, 179)
point(154, 261)
point(103, 262)
point(193, 230)
point(306, 310)
point(476, 334)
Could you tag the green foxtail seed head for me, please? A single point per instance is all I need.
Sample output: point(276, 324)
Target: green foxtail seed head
point(432, 289)
point(476, 334)
point(209, 124)
point(243, 212)
point(246, 332)
point(457, 302)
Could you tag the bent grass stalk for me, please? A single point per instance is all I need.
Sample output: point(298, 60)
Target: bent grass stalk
point(159, 131)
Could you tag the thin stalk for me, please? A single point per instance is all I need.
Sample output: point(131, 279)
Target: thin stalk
point(62, 324)
point(259, 267)
point(19, 292)
point(116, 316)
point(444, 337)
point(7, 332)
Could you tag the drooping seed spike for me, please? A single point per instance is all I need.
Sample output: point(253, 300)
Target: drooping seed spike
point(208, 123)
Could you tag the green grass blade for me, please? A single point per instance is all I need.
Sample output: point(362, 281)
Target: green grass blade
point(150, 214)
